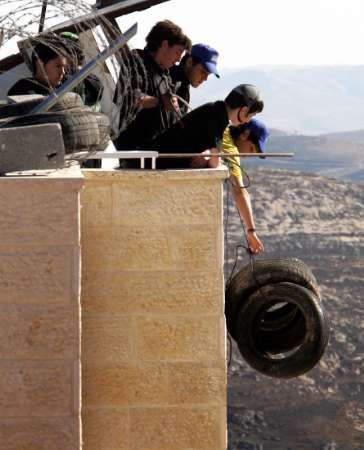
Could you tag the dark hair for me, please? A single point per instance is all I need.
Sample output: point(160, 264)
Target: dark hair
point(256, 107)
point(46, 52)
point(245, 95)
point(237, 130)
point(74, 47)
point(195, 60)
point(166, 31)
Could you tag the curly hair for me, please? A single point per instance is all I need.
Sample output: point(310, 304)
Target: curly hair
point(166, 30)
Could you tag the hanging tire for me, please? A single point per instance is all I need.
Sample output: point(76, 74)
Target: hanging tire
point(263, 272)
point(82, 130)
point(302, 358)
point(69, 100)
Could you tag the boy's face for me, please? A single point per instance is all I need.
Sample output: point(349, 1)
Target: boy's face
point(195, 73)
point(243, 143)
point(53, 71)
point(168, 55)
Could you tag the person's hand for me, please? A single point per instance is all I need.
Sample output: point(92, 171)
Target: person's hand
point(254, 243)
point(147, 101)
point(201, 162)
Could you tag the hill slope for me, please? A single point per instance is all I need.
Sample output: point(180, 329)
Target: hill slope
point(320, 221)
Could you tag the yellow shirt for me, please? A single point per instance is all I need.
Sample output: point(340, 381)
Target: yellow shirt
point(228, 146)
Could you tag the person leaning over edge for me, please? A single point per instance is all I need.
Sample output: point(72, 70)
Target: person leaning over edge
point(247, 138)
point(193, 70)
point(201, 130)
point(166, 43)
point(49, 66)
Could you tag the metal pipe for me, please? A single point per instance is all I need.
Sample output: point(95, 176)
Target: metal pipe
point(42, 16)
point(85, 71)
point(153, 154)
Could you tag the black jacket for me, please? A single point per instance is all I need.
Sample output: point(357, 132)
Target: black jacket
point(199, 130)
point(146, 77)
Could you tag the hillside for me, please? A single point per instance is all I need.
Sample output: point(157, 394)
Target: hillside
point(309, 100)
point(320, 221)
point(324, 155)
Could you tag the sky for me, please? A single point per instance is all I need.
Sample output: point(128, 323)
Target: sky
point(255, 32)
point(260, 32)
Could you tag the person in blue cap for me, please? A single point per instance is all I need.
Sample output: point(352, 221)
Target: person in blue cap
point(193, 70)
point(249, 137)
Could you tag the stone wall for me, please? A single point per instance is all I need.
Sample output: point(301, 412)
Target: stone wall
point(153, 329)
point(40, 311)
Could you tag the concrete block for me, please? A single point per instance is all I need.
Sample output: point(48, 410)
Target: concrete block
point(178, 428)
point(59, 433)
point(39, 275)
point(31, 148)
point(179, 338)
point(166, 248)
point(30, 389)
point(106, 338)
point(105, 429)
point(38, 332)
point(154, 292)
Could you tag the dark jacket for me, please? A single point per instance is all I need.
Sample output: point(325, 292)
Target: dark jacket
point(146, 77)
point(197, 131)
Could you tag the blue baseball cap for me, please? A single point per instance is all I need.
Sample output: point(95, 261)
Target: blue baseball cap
point(207, 57)
point(258, 133)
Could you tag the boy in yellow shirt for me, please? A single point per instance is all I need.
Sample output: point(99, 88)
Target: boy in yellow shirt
point(246, 138)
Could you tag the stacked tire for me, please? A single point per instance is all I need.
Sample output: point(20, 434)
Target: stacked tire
point(274, 312)
point(82, 128)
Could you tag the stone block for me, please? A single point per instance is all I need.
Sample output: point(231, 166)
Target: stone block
point(105, 429)
point(175, 203)
point(30, 389)
point(60, 433)
point(124, 385)
point(178, 428)
point(179, 338)
point(166, 248)
point(39, 275)
point(38, 332)
point(38, 216)
point(96, 200)
point(152, 384)
point(154, 292)
point(106, 339)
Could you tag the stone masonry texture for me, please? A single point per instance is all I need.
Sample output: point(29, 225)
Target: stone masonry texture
point(153, 329)
point(40, 311)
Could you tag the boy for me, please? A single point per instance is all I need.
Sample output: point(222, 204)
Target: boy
point(151, 87)
point(246, 138)
point(201, 130)
point(49, 66)
point(193, 70)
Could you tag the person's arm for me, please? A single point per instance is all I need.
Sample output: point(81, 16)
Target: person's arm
point(243, 203)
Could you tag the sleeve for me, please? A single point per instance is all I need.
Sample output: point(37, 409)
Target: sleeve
point(228, 146)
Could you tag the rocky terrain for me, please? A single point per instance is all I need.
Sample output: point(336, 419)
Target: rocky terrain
point(320, 221)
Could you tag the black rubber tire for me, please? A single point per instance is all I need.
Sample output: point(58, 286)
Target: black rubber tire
point(303, 358)
point(284, 338)
point(266, 271)
point(82, 130)
point(67, 101)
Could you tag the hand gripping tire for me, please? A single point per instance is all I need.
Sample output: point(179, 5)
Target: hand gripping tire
point(266, 271)
point(313, 345)
point(69, 100)
point(82, 130)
